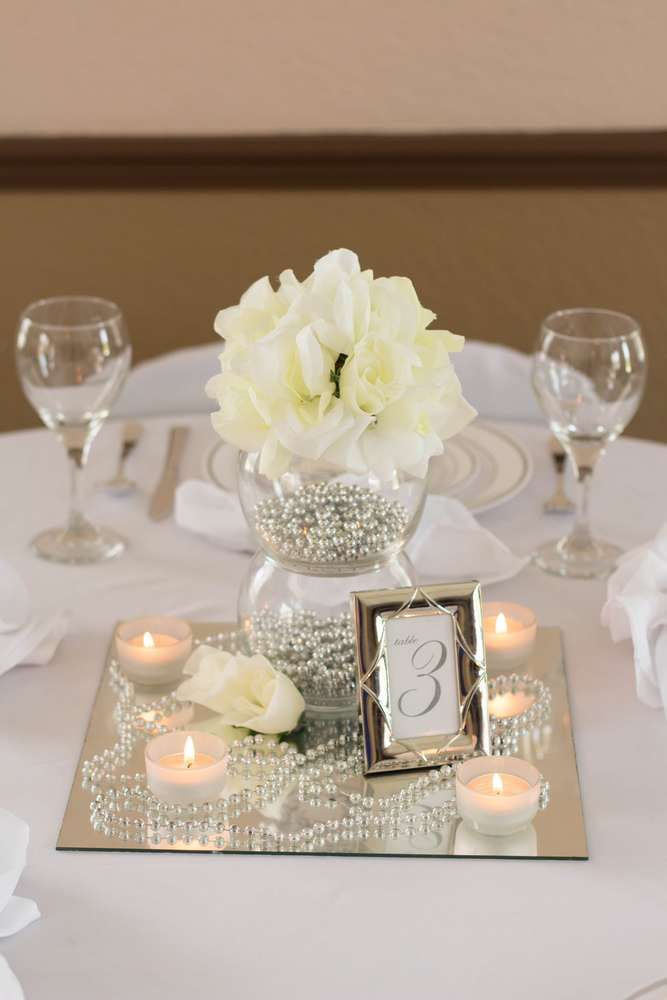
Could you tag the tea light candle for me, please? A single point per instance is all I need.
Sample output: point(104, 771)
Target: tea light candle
point(186, 767)
point(509, 634)
point(153, 650)
point(497, 796)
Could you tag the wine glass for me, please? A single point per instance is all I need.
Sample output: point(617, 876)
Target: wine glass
point(72, 356)
point(589, 372)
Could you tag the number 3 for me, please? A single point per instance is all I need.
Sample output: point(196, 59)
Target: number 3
point(426, 664)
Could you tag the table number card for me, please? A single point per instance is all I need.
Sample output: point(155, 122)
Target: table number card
point(422, 676)
point(421, 664)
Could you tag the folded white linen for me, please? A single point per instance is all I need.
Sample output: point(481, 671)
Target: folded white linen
point(10, 988)
point(25, 636)
point(636, 608)
point(207, 510)
point(15, 912)
point(449, 545)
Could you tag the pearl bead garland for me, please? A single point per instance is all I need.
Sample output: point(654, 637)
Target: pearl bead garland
point(123, 808)
point(505, 733)
point(330, 522)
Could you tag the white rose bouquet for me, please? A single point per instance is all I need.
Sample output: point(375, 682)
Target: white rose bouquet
point(341, 368)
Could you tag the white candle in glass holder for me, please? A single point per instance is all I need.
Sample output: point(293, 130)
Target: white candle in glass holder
point(497, 796)
point(509, 634)
point(186, 767)
point(153, 650)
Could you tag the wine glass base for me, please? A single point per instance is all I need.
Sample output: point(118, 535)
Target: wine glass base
point(79, 548)
point(585, 563)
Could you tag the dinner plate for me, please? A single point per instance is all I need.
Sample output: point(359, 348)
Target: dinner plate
point(497, 467)
point(484, 466)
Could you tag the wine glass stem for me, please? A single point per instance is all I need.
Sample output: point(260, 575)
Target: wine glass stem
point(77, 459)
point(580, 536)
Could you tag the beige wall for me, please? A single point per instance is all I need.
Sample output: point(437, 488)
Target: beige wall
point(217, 66)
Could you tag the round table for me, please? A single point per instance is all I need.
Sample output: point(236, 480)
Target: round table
point(150, 927)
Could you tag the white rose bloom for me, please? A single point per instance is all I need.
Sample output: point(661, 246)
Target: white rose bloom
point(245, 691)
point(396, 310)
point(259, 309)
point(336, 299)
point(342, 368)
point(377, 373)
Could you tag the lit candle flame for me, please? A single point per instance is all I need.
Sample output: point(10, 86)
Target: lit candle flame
point(501, 624)
point(149, 641)
point(189, 752)
point(497, 784)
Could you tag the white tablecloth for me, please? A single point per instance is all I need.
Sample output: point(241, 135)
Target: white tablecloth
point(129, 925)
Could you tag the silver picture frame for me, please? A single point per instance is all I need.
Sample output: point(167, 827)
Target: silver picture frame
point(461, 721)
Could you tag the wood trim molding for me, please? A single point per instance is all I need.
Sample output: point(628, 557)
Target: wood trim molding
point(298, 161)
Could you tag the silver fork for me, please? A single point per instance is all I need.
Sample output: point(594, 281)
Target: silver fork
point(119, 483)
point(559, 503)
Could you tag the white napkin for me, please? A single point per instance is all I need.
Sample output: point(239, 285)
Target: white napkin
point(449, 545)
point(10, 988)
point(207, 510)
point(25, 636)
point(636, 608)
point(15, 911)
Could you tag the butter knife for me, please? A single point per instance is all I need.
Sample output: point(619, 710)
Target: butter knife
point(162, 501)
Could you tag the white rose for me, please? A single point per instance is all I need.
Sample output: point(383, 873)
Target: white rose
point(410, 431)
point(259, 309)
point(377, 373)
point(336, 300)
point(244, 418)
point(244, 690)
point(291, 364)
point(396, 310)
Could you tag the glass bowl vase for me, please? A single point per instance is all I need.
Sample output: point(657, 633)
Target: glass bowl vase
point(322, 534)
point(322, 521)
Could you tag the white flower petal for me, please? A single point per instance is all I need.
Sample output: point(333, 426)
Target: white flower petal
point(284, 710)
point(245, 691)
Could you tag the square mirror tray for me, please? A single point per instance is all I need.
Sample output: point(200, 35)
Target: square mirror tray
point(322, 808)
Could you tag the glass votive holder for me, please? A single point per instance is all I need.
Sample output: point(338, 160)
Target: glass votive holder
point(510, 631)
point(153, 650)
point(497, 796)
point(471, 843)
point(186, 767)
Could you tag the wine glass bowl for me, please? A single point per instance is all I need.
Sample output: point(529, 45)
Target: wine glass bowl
point(72, 357)
point(589, 373)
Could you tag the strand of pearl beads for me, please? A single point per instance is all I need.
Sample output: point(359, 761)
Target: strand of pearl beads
point(124, 808)
point(318, 773)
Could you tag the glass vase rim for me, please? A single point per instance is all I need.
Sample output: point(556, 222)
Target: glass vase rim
point(115, 313)
point(633, 324)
